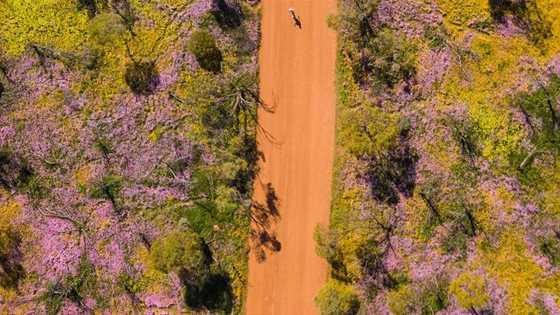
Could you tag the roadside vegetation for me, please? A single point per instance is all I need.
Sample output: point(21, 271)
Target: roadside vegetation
point(127, 155)
point(446, 182)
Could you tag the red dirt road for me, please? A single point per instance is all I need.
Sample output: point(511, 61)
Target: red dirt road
point(297, 77)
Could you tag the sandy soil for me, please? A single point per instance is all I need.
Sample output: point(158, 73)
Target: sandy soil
point(297, 78)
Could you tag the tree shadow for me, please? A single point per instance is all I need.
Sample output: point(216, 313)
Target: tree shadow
point(11, 269)
point(211, 292)
point(228, 14)
point(394, 174)
point(525, 14)
point(263, 216)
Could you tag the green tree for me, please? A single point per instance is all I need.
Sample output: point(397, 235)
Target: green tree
point(336, 298)
point(106, 28)
point(203, 46)
point(142, 77)
point(177, 251)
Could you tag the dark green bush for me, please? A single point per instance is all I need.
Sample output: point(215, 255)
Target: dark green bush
point(550, 247)
point(210, 291)
point(227, 13)
point(109, 188)
point(386, 59)
point(142, 77)
point(203, 46)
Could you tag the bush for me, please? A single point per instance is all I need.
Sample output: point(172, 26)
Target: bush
point(228, 14)
point(425, 299)
point(178, 250)
point(203, 46)
point(15, 173)
point(327, 247)
point(210, 291)
point(11, 270)
point(336, 298)
point(142, 77)
point(369, 131)
point(106, 28)
point(387, 59)
point(74, 288)
point(109, 188)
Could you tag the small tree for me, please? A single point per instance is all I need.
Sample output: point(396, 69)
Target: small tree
point(203, 46)
point(109, 188)
point(178, 250)
point(336, 298)
point(105, 28)
point(142, 77)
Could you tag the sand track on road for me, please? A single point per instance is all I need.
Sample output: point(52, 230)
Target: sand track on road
point(297, 78)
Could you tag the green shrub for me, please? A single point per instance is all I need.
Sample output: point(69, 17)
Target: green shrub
point(106, 28)
point(386, 59)
point(210, 291)
point(327, 247)
point(142, 77)
point(425, 299)
point(369, 131)
point(203, 46)
point(178, 250)
point(336, 298)
point(74, 288)
point(109, 188)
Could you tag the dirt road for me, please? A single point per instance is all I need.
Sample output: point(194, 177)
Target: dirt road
point(297, 76)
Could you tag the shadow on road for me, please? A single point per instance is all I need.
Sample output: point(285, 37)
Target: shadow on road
point(264, 215)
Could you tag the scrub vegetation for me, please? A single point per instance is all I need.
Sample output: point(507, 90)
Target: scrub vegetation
point(127, 155)
point(446, 184)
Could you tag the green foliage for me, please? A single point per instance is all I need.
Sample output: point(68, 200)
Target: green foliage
point(228, 14)
point(385, 59)
point(426, 299)
point(211, 291)
point(11, 271)
point(73, 288)
point(466, 135)
point(109, 188)
point(142, 77)
point(336, 298)
point(542, 113)
point(203, 46)
point(129, 284)
point(550, 247)
point(327, 247)
point(106, 28)
point(527, 15)
point(178, 250)
point(15, 173)
point(368, 131)
point(92, 6)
